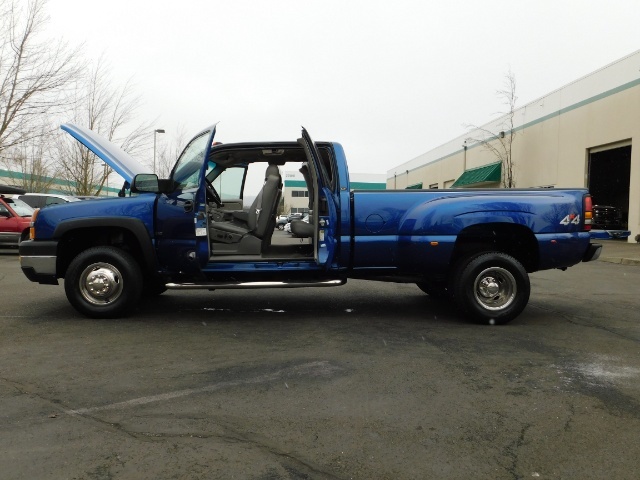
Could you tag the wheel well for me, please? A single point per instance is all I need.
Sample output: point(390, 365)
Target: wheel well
point(515, 240)
point(75, 241)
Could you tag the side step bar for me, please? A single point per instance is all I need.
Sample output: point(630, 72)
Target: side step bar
point(223, 285)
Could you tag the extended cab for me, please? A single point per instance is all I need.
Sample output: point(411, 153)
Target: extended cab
point(193, 231)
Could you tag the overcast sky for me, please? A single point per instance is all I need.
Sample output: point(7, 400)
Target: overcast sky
point(389, 80)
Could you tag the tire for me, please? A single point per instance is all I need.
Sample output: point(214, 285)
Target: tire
point(491, 287)
point(103, 282)
point(280, 227)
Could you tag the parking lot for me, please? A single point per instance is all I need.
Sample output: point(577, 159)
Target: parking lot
point(369, 380)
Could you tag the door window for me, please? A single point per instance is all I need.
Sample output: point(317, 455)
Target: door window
point(54, 201)
point(229, 183)
point(187, 171)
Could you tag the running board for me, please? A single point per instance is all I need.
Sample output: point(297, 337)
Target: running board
point(223, 285)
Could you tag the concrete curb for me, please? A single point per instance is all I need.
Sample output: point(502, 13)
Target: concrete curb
point(620, 252)
point(621, 261)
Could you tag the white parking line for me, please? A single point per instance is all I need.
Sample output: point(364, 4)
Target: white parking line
point(311, 369)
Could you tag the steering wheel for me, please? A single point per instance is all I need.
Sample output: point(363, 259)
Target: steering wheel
point(211, 192)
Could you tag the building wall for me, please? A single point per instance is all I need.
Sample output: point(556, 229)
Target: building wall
point(554, 136)
point(56, 185)
point(294, 181)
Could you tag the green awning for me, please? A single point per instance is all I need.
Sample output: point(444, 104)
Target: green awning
point(415, 186)
point(491, 173)
point(367, 186)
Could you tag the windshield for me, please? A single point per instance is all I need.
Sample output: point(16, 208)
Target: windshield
point(20, 207)
point(187, 170)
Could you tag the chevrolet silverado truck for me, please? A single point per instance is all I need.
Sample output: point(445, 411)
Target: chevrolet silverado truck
point(196, 230)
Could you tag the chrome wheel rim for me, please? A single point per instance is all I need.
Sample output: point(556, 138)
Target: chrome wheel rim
point(101, 283)
point(495, 288)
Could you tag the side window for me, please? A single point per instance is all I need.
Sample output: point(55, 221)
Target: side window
point(4, 211)
point(186, 172)
point(32, 200)
point(229, 183)
point(54, 201)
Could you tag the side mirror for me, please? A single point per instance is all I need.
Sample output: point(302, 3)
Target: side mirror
point(145, 183)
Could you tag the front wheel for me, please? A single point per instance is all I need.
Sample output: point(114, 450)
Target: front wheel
point(103, 282)
point(491, 287)
point(280, 227)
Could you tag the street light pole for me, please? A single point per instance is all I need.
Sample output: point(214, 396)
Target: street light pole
point(158, 130)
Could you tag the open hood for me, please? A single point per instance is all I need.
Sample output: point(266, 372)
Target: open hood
point(123, 163)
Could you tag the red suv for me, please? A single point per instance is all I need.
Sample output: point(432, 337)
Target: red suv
point(15, 216)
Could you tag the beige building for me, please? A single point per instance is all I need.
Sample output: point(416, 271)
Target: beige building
point(581, 135)
point(296, 196)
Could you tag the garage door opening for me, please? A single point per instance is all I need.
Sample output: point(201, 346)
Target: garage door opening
point(609, 177)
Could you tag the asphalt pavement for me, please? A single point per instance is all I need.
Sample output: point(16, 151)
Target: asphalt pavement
point(366, 381)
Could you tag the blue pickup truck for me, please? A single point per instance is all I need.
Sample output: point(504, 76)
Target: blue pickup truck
point(194, 231)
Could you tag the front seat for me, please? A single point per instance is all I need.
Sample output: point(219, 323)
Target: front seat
point(251, 231)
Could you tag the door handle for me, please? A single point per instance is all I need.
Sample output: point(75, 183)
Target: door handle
point(188, 206)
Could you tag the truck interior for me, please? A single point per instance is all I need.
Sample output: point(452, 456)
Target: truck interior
point(244, 188)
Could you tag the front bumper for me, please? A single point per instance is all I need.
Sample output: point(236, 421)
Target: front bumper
point(592, 253)
point(38, 260)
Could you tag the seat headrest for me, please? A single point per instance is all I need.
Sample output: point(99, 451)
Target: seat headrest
point(272, 170)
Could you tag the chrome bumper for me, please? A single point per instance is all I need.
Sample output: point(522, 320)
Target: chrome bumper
point(40, 265)
point(38, 261)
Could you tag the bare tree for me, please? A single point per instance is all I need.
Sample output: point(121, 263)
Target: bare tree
point(30, 166)
point(109, 111)
point(169, 153)
point(283, 208)
point(500, 142)
point(33, 72)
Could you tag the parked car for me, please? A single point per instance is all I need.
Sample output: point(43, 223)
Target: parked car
point(606, 217)
point(15, 217)
point(281, 221)
point(88, 197)
point(41, 200)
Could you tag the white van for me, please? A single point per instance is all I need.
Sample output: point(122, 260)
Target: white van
point(41, 200)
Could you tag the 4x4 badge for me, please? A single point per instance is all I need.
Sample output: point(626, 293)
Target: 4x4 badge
point(573, 218)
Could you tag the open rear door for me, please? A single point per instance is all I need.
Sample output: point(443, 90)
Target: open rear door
point(325, 212)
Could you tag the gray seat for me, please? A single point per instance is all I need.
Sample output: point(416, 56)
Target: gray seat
point(302, 229)
point(298, 227)
point(252, 229)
